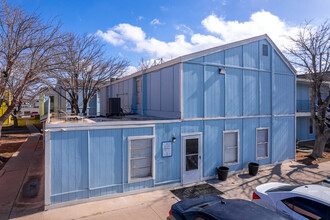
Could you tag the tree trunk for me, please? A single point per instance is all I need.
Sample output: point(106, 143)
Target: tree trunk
point(320, 142)
point(0, 130)
point(84, 109)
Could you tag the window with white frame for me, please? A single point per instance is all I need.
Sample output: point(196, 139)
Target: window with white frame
point(262, 143)
point(140, 158)
point(230, 147)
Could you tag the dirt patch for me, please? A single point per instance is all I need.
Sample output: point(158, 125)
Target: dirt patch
point(9, 144)
point(304, 158)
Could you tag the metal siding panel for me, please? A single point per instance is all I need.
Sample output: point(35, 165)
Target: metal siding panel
point(284, 97)
point(192, 90)
point(303, 129)
point(250, 92)
point(280, 66)
point(105, 157)
point(216, 58)
point(265, 61)
point(176, 81)
point(233, 56)
point(265, 96)
point(167, 89)
point(212, 147)
point(283, 138)
point(214, 92)
point(236, 124)
point(191, 126)
point(197, 60)
point(69, 167)
point(155, 91)
point(233, 92)
point(251, 55)
point(168, 168)
point(249, 140)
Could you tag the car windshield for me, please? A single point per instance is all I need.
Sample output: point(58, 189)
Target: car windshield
point(282, 189)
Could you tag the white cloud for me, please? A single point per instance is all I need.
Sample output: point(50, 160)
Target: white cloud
point(155, 22)
point(129, 70)
point(260, 23)
point(184, 28)
point(140, 18)
point(221, 31)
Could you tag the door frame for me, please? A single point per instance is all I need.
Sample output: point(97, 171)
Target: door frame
point(200, 150)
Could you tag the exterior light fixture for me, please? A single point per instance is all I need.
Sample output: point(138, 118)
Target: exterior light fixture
point(222, 70)
point(173, 139)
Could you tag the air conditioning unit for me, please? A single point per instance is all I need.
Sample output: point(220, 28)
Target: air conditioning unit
point(113, 106)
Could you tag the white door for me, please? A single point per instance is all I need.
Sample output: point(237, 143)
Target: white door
point(191, 158)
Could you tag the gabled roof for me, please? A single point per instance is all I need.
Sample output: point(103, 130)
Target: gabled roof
point(209, 51)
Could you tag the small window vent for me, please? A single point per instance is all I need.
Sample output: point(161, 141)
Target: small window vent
point(265, 50)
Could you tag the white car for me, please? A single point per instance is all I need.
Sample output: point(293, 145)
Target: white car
point(299, 202)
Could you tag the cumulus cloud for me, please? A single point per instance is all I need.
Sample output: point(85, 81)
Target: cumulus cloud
point(129, 70)
point(220, 30)
point(259, 23)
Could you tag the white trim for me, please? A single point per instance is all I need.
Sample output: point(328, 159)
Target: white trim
point(303, 114)
point(200, 151)
point(131, 138)
point(285, 115)
point(223, 118)
point(259, 129)
point(223, 148)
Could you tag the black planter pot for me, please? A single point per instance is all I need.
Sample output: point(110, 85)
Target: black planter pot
point(253, 168)
point(222, 173)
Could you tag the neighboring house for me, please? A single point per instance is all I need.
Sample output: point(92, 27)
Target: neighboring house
point(3, 108)
point(224, 106)
point(58, 104)
point(305, 129)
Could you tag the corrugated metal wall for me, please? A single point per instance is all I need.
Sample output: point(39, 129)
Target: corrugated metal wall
point(162, 92)
point(303, 129)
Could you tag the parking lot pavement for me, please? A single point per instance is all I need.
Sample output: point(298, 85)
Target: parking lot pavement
point(156, 204)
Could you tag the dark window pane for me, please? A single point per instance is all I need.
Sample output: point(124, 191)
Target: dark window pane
point(265, 50)
point(308, 208)
point(192, 146)
point(262, 135)
point(191, 162)
point(262, 150)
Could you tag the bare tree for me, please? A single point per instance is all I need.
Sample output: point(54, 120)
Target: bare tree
point(146, 64)
point(85, 68)
point(27, 46)
point(311, 52)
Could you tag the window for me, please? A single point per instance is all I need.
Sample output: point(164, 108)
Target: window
point(140, 159)
point(262, 143)
point(51, 98)
point(307, 208)
point(265, 50)
point(310, 126)
point(230, 147)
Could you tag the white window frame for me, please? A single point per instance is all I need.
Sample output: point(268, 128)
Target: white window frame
point(223, 147)
point(129, 146)
point(258, 129)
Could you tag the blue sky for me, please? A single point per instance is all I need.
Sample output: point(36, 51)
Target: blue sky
point(167, 29)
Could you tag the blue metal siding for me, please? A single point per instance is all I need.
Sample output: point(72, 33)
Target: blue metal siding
point(216, 58)
point(193, 90)
point(212, 147)
point(251, 55)
point(250, 92)
point(233, 56)
point(214, 92)
point(283, 146)
point(233, 92)
point(303, 129)
point(68, 166)
point(168, 169)
point(91, 163)
point(284, 95)
point(265, 88)
point(191, 126)
point(280, 66)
